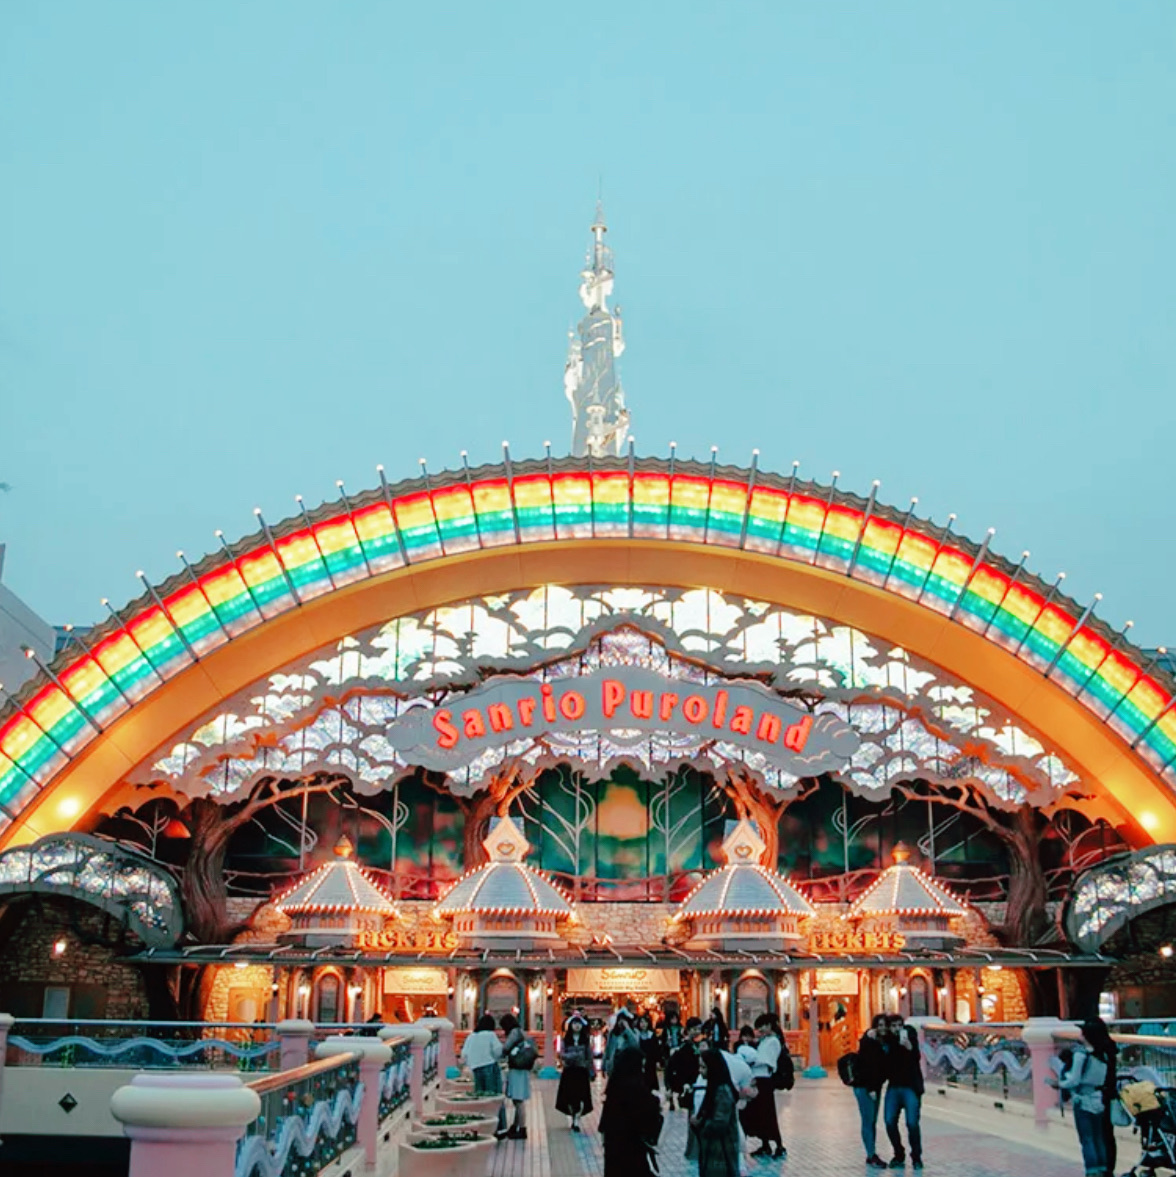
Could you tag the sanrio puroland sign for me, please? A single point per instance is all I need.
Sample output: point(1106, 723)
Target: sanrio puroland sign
point(629, 699)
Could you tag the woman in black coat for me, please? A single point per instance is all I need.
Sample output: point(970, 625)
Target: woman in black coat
point(631, 1119)
point(650, 1050)
point(574, 1097)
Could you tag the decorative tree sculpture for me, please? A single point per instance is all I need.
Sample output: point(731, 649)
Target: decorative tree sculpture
point(1019, 830)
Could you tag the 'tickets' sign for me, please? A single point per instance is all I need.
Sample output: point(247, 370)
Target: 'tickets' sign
point(626, 700)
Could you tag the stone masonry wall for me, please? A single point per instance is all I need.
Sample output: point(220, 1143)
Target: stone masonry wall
point(27, 958)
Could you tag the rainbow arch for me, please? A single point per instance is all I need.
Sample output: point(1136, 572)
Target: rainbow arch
point(95, 683)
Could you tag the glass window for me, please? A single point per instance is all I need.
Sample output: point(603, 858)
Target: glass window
point(328, 998)
point(56, 1003)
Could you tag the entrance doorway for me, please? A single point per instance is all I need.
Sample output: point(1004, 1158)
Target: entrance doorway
point(837, 1018)
point(751, 1001)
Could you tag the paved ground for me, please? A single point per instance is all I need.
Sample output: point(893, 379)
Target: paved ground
point(820, 1127)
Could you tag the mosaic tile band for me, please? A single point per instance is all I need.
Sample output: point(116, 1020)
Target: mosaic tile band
point(246, 584)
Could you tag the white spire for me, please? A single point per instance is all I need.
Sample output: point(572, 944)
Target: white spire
point(600, 421)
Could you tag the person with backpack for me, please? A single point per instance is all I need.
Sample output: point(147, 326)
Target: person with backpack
point(864, 1071)
point(716, 1121)
point(481, 1053)
point(520, 1054)
point(760, 1118)
point(1085, 1078)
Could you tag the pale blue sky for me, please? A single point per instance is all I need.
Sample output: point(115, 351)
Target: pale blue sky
point(250, 248)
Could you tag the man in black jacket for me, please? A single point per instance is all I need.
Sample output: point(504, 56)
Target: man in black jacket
point(903, 1069)
point(869, 1074)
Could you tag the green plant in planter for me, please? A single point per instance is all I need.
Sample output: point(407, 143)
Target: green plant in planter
point(451, 1118)
point(447, 1140)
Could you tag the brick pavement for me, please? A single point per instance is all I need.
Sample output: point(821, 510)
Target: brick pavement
point(820, 1127)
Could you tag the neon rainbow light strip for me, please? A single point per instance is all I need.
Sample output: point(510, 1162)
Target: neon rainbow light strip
point(233, 591)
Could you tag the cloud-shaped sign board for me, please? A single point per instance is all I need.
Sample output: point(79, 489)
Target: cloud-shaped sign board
point(629, 699)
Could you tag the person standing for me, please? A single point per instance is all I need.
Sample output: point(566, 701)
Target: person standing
point(621, 1037)
point(574, 1096)
point(760, 1118)
point(716, 1121)
point(682, 1067)
point(630, 1121)
point(480, 1053)
point(717, 1032)
point(647, 1044)
point(903, 1071)
point(1097, 1034)
point(518, 1078)
point(867, 1076)
point(1085, 1078)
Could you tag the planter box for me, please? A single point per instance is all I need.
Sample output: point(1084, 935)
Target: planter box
point(460, 1160)
point(487, 1105)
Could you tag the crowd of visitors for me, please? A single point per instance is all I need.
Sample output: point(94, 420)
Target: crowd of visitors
point(729, 1095)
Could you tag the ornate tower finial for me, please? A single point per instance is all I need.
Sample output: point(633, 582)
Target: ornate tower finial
point(600, 421)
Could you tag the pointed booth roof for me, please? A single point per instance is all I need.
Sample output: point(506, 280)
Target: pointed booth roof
point(338, 886)
point(744, 887)
point(505, 885)
point(904, 890)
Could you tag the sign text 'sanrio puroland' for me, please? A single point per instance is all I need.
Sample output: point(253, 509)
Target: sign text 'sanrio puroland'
point(626, 701)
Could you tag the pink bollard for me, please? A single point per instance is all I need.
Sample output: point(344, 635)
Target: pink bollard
point(1038, 1036)
point(184, 1125)
point(6, 1021)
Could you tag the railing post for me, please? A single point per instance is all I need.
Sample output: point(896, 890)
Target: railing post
point(419, 1037)
point(923, 1023)
point(446, 1056)
point(184, 1125)
point(1038, 1036)
point(6, 1021)
point(374, 1056)
point(294, 1035)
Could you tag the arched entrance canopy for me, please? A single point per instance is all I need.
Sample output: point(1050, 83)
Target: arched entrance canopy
point(72, 735)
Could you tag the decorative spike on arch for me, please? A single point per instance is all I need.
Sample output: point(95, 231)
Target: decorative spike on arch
point(571, 504)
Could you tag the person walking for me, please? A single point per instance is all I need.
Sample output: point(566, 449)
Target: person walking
point(760, 1117)
point(574, 1096)
point(716, 1120)
point(480, 1053)
point(1085, 1078)
point(520, 1058)
point(621, 1037)
point(867, 1076)
point(903, 1070)
point(630, 1121)
point(682, 1066)
point(717, 1031)
point(647, 1044)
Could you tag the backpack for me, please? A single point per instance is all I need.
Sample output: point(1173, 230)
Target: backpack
point(784, 1078)
point(847, 1069)
point(523, 1055)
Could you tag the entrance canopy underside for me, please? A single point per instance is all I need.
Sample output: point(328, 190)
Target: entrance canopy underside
point(71, 738)
point(620, 955)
